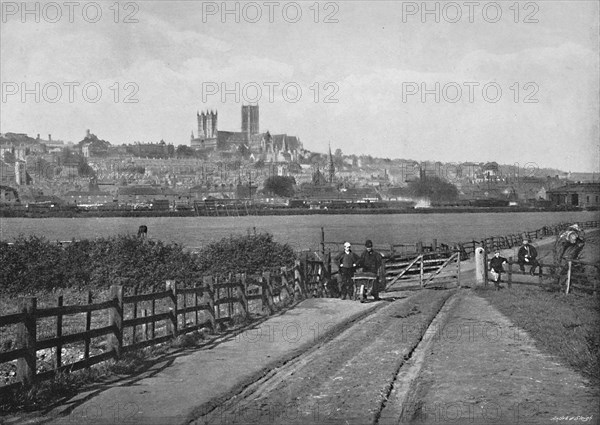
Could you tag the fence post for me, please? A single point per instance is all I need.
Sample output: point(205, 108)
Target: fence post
point(284, 283)
point(510, 264)
point(208, 283)
point(172, 325)
point(217, 298)
point(241, 293)
point(323, 242)
point(115, 341)
point(419, 246)
point(434, 245)
point(145, 325)
point(485, 268)
point(134, 328)
point(458, 267)
point(88, 327)
point(59, 318)
point(568, 278)
point(230, 305)
point(267, 291)
point(26, 338)
point(196, 303)
point(305, 275)
point(421, 271)
point(298, 278)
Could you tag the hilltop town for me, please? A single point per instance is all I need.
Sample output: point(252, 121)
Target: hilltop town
point(261, 167)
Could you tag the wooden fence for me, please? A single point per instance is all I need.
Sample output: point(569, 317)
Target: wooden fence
point(140, 320)
point(571, 274)
point(406, 259)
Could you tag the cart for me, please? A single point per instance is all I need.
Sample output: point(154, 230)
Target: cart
point(363, 284)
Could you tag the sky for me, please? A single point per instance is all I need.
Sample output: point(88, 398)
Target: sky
point(511, 82)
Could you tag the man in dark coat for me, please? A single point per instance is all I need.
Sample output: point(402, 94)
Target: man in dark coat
point(347, 262)
point(527, 255)
point(371, 262)
point(496, 268)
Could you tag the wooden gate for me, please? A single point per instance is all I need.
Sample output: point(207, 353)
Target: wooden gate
point(434, 269)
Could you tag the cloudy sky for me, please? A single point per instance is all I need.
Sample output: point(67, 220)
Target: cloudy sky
point(514, 82)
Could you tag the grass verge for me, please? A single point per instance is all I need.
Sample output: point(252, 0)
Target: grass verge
point(564, 325)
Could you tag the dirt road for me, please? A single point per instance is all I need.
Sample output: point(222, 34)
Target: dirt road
point(433, 357)
point(346, 380)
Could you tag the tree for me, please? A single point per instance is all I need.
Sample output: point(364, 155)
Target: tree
point(184, 151)
point(280, 186)
point(433, 188)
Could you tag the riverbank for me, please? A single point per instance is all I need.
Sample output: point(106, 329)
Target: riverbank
point(232, 212)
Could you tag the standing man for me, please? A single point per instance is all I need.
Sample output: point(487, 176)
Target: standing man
point(347, 262)
point(371, 262)
point(527, 255)
point(496, 268)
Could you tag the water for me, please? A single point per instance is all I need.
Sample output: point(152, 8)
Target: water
point(301, 232)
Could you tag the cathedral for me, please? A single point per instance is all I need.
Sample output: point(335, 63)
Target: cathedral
point(269, 148)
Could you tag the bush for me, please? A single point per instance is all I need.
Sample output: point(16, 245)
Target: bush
point(35, 264)
point(245, 254)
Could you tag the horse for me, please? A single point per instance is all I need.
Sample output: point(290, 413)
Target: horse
point(142, 231)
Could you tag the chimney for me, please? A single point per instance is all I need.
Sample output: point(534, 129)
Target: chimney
point(49, 137)
point(38, 136)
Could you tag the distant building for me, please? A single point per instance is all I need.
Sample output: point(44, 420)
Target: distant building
point(8, 195)
point(265, 146)
point(88, 198)
point(583, 195)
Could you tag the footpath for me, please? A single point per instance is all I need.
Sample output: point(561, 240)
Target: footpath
point(178, 388)
point(476, 367)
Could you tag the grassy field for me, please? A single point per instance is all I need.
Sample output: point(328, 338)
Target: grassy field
point(564, 325)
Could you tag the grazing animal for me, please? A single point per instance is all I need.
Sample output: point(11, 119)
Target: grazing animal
point(142, 231)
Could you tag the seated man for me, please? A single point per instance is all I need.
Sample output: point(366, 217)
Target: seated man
point(527, 255)
point(496, 268)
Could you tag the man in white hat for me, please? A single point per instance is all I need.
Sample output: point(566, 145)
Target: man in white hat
point(347, 261)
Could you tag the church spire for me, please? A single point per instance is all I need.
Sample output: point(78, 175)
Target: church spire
point(331, 165)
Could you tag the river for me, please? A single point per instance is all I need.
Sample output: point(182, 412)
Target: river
point(301, 232)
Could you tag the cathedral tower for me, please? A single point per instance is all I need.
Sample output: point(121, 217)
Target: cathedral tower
point(250, 119)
